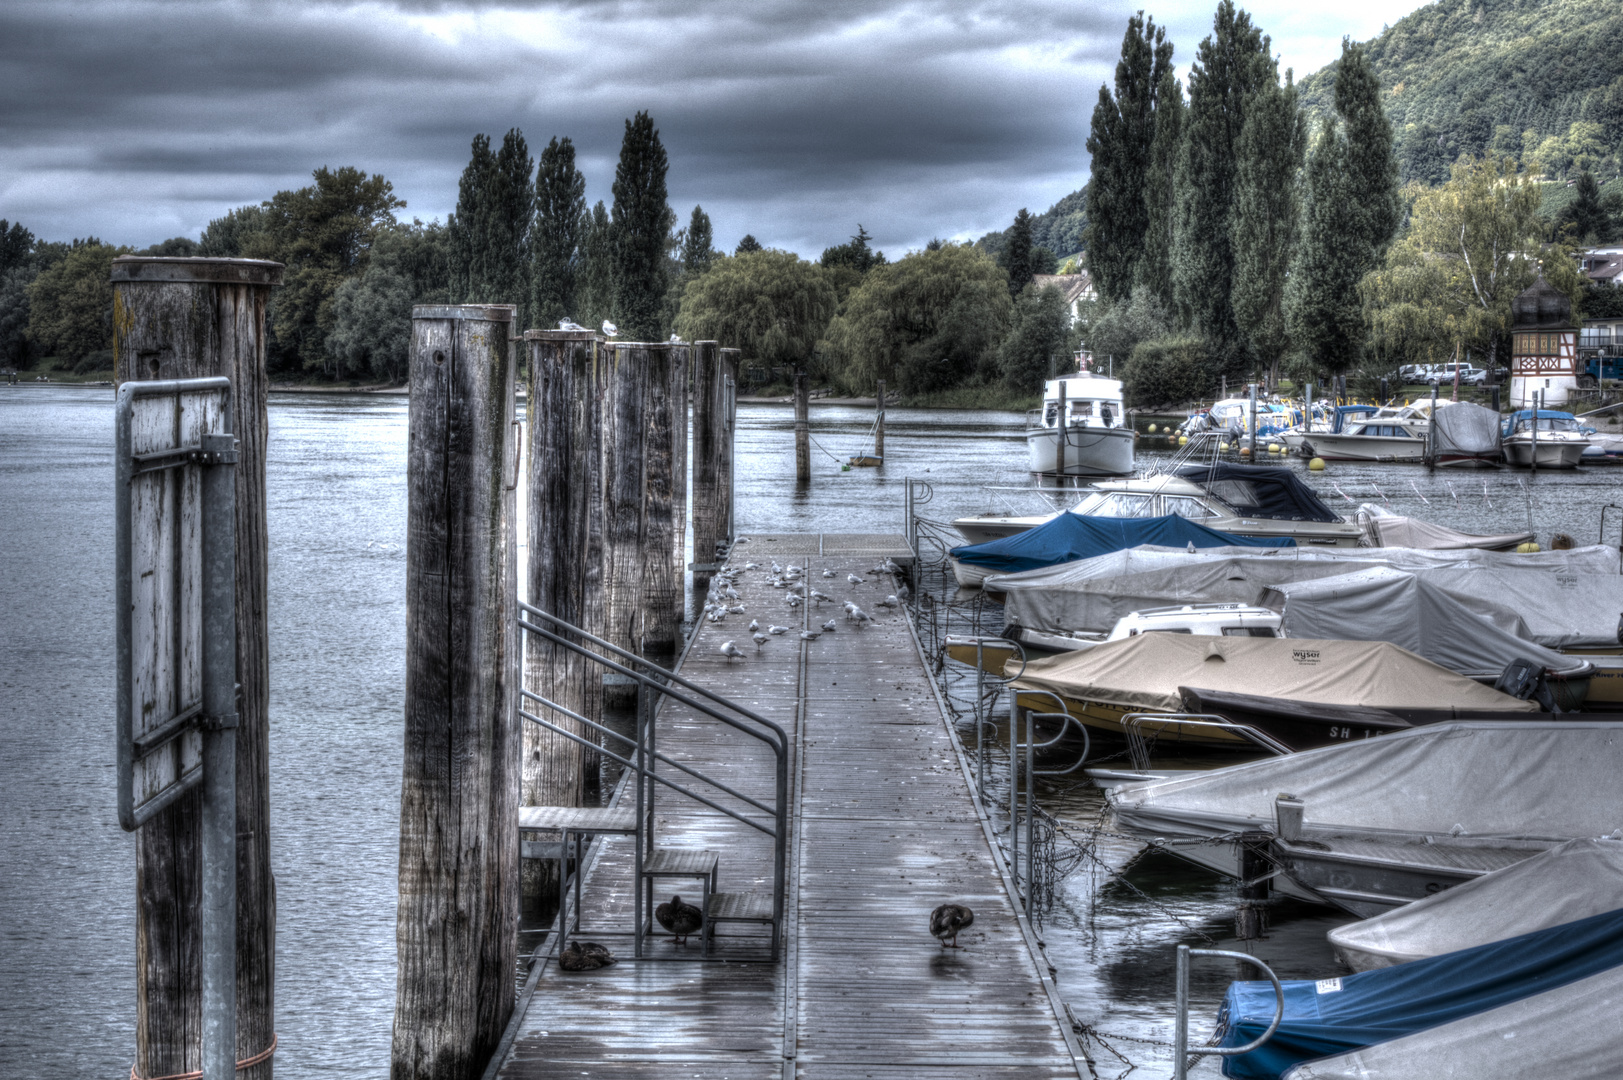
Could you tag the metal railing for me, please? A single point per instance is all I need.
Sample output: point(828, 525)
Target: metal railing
point(1138, 746)
point(1031, 746)
point(1180, 1036)
point(656, 683)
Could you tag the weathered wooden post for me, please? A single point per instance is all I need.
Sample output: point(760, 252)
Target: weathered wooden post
point(661, 589)
point(182, 319)
point(625, 423)
point(728, 485)
point(879, 426)
point(706, 451)
point(459, 856)
point(563, 502)
point(802, 427)
point(681, 382)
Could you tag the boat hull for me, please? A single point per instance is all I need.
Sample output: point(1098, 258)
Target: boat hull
point(1363, 447)
point(1089, 451)
point(1368, 877)
point(1549, 453)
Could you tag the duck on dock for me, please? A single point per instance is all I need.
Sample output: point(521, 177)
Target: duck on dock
point(947, 920)
point(679, 919)
point(585, 956)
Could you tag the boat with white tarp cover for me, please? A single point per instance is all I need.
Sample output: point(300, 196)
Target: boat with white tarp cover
point(1371, 824)
point(1571, 881)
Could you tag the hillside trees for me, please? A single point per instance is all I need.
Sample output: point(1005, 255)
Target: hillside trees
point(1121, 142)
point(848, 263)
point(1016, 257)
point(371, 334)
point(70, 303)
point(1037, 339)
point(555, 237)
point(19, 265)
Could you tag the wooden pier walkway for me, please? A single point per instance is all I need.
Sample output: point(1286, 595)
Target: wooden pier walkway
point(883, 829)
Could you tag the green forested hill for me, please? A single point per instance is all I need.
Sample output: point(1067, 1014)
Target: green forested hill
point(1515, 76)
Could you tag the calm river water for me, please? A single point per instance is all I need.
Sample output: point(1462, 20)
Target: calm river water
point(337, 530)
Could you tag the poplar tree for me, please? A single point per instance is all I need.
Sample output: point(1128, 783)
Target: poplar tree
point(594, 296)
point(642, 227)
point(747, 245)
point(1016, 256)
point(1121, 142)
point(490, 234)
point(560, 216)
point(1372, 164)
point(697, 253)
point(1229, 67)
point(1154, 269)
point(1264, 220)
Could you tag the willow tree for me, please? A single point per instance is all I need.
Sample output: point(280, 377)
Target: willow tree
point(773, 305)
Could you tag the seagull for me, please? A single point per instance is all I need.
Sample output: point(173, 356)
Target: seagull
point(889, 567)
point(902, 591)
point(810, 635)
point(821, 598)
point(755, 624)
point(798, 588)
point(889, 601)
point(829, 626)
point(794, 570)
point(760, 639)
point(793, 601)
point(1191, 547)
point(777, 629)
point(736, 609)
point(731, 593)
point(569, 324)
point(853, 579)
point(947, 920)
point(730, 650)
point(609, 328)
point(777, 571)
point(859, 615)
point(828, 573)
point(751, 566)
point(675, 340)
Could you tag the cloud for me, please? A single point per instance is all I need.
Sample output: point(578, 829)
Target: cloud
point(793, 120)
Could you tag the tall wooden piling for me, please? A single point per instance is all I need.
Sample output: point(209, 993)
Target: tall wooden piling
point(727, 481)
point(624, 425)
point(708, 508)
point(459, 857)
point(681, 391)
point(181, 319)
point(802, 427)
point(562, 501)
point(879, 425)
point(660, 593)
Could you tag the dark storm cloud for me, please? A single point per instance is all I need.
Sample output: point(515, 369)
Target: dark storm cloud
point(791, 120)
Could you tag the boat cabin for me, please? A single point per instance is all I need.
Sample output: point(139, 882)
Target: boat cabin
point(1087, 400)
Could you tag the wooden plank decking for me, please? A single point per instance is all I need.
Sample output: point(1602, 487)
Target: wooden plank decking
point(882, 830)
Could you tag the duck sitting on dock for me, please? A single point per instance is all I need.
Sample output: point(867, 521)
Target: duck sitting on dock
point(679, 919)
point(584, 956)
point(947, 920)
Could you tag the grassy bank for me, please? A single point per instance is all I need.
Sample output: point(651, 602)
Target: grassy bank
point(989, 398)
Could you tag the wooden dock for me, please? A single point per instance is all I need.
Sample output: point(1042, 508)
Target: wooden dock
point(883, 829)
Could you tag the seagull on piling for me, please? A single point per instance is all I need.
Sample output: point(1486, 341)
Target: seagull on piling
point(730, 650)
point(609, 328)
point(569, 324)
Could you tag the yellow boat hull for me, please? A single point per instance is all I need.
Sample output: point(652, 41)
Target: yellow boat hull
point(1101, 718)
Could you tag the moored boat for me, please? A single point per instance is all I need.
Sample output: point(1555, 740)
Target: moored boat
point(1080, 429)
point(1552, 440)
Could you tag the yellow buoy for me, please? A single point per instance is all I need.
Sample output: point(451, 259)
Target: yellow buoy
point(1316, 465)
point(1223, 446)
point(1152, 429)
point(1528, 548)
point(1273, 448)
point(1183, 440)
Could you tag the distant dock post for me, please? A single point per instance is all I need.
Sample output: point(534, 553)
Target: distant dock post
point(728, 485)
point(802, 427)
point(706, 453)
point(459, 846)
point(661, 592)
point(185, 318)
point(624, 424)
point(879, 425)
point(681, 393)
point(564, 514)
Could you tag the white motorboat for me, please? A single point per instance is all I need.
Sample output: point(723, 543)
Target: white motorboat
point(1553, 440)
point(1080, 430)
point(1391, 433)
point(1245, 500)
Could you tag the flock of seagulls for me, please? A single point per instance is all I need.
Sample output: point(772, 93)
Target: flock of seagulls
point(725, 599)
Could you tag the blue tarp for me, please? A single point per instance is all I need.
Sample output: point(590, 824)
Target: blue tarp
point(1069, 537)
point(1332, 1017)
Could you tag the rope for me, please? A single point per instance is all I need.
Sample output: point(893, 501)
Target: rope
point(819, 446)
point(197, 1074)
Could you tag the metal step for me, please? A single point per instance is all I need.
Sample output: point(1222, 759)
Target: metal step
point(582, 819)
point(740, 907)
point(679, 862)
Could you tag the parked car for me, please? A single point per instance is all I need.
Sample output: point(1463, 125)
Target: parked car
point(1470, 375)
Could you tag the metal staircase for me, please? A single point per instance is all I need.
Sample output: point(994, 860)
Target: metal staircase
point(642, 759)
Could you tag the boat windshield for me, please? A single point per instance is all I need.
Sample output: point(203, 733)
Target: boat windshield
point(1116, 504)
point(1550, 423)
point(1397, 431)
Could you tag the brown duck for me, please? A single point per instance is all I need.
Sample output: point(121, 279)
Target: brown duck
point(584, 956)
point(679, 919)
point(947, 920)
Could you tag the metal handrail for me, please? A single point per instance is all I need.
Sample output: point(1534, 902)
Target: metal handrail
point(981, 677)
point(1032, 772)
point(1180, 1037)
point(1131, 722)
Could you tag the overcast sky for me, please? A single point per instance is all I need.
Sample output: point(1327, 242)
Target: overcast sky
point(790, 119)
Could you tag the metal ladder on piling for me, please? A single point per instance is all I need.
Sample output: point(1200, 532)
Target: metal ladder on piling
point(642, 758)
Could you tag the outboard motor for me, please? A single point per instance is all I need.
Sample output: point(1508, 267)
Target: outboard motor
point(1524, 680)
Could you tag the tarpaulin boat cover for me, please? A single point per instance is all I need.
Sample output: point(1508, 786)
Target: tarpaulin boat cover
point(1569, 1033)
point(1333, 1016)
point(1537, 779)
point(1387, 530)
point(1465, 429)
point(1266, 491)
point(1572, 881)
point(1089, 595)
point(1068, 537)
point(1411, 610)
point(1145, 672)
point(1562, 611)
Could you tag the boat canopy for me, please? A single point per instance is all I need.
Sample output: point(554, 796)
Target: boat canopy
point(1572, 881)
point(1265, 491)
point(1383, 528)
point(1347, 413)
point(1549, 420)
point(1465, 429)
point(1146, 672)
point(1382, 603)
point(1090, 595)
point(1562, 610)
point(1568, 1032)
point(1068, 537)
point(1334, 1016)
point(1529, 779)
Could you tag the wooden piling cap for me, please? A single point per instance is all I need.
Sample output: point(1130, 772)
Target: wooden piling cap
point(160, 268)
point(563, 335)
point(486, 312)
